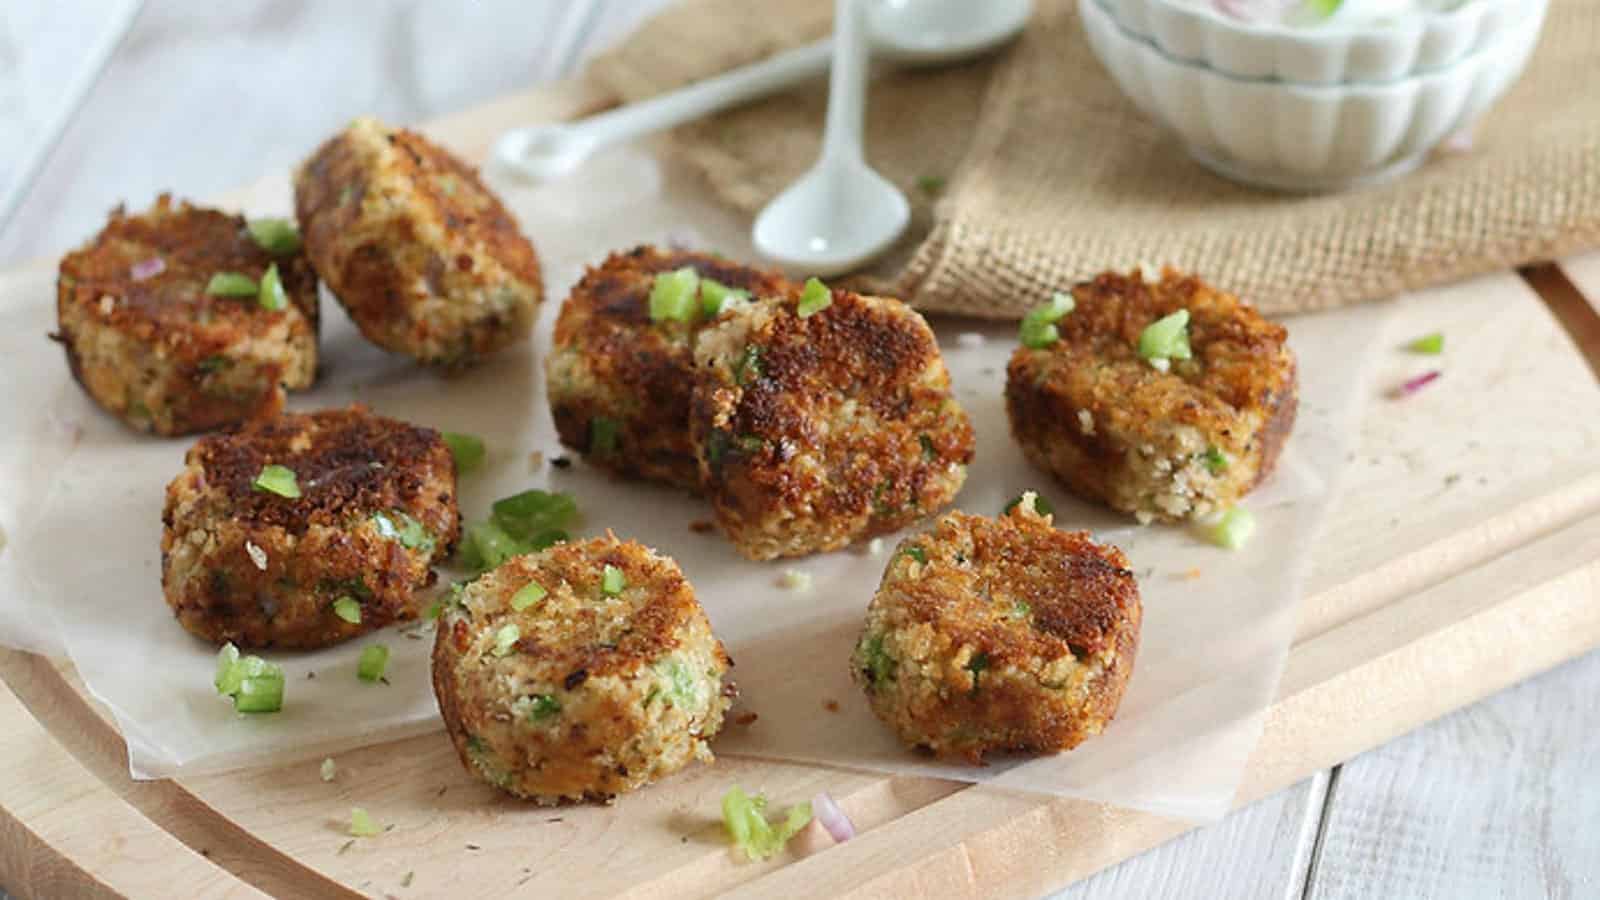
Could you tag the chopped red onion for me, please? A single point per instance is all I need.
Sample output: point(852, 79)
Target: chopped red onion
point(832, 817)
point(1459, 142)
point(71, 430)
point(1412, 385)
point(148, 268)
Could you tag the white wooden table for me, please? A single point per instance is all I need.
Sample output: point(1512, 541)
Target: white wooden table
point(105, 101)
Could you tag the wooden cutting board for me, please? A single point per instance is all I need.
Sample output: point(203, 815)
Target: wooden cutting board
point(1462, 556)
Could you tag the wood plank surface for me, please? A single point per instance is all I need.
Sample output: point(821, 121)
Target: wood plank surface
point(1434, 814)
point(1261, 852)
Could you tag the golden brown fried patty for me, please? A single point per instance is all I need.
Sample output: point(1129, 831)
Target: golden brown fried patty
point(424, 258)
point(999, 634)
point(585, 692)
point(815, 432)
point(154, 349)
point(1160, 445)
point(612, 363)
point(377, 508)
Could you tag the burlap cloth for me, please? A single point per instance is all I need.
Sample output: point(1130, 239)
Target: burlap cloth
point(1030, 170)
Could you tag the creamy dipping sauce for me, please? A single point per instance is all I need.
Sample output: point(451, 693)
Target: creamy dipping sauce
point(1314, 13)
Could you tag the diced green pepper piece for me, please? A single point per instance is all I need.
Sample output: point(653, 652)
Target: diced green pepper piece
point(272, 296)
point(348, 609)
point(1216, 461)
point(374, 661)
point(527, 595)
point(673, 294)
point(1429, 344)
point(467, 450)
point(746, 821)
point(714, 295)
point(276, 479)
point(279, 237)
point(1234, 529)
point(814, 298)
point(1166, 337)
point(361, 824)
point(232, 284)
point(612, 581)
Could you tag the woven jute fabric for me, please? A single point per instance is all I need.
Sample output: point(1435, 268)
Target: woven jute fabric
point(1029, 171)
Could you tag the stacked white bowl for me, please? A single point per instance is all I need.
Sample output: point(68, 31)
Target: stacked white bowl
point(1320, 107)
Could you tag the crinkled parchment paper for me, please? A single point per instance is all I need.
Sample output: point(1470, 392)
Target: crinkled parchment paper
point(80, 568)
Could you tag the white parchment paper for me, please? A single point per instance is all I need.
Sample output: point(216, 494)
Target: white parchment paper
point(82, 496)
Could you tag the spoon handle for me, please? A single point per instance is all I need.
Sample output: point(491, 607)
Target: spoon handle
point(524, 149)
point(847, 79)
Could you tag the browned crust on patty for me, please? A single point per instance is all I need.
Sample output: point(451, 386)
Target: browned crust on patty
point(652, 627)
point(350, 466)
point(599, 661)
point(642, 371)
point(1026, 600)
point(751, 423)
point(1239, 393)
point(453, 236)
point(346, 461)
point(178, 338)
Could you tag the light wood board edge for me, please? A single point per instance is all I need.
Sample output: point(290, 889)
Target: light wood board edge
point(49, 695)
point(65, 833)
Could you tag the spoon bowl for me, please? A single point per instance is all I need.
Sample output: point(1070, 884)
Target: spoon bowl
point(938, 32)
point(545, 152)
point(841, 214)
point(836, 217)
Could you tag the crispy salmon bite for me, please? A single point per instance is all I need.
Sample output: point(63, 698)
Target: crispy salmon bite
point(1165, 399)
point(308, 529)
point(999, 634)
point(824, 418)
point(579, 672)
point(166, 324)
point(620, 376)
point(424, 258)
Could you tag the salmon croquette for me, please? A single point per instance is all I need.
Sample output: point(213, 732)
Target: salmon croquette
point(307, 530)
point(579, 672)
point(1162, 438)
point(418, 251)
point(152, 344)
point(999, 634)
point(620, 379)
point(824, 418)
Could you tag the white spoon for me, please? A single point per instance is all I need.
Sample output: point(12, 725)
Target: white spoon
point(841, 213)
point(936, 32)
point(914, 32)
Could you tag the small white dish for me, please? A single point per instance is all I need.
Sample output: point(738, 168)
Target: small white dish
point(1333, 53)
point(1308, 138)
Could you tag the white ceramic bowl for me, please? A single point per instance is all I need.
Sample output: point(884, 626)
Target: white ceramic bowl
point(1308, 137)
point(1329, 54)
